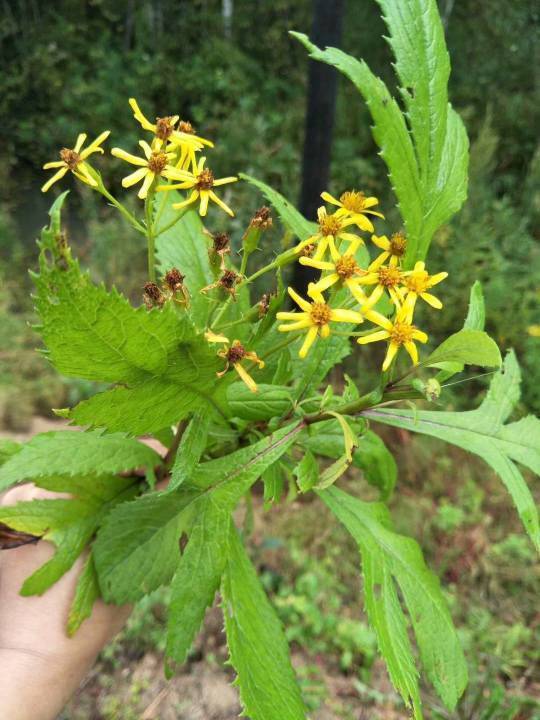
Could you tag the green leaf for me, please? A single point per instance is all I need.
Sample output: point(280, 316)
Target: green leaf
point(372, 456)
point(201, 566)
point(191, 448)
point(401, 558)
point(428, 167)
point(467, 347)
point(257, 644)
point(269, 401)
point(389, 131)
point(483, 432)
point(86, 594)
point(293, 220)
point(273, 480)
point(476, 313)
point(136, 550)
point(163, 369)
point(475, 320)
point(8, 448)
point(68, 524)
point(307, 472)
point(185, 247)
point(76, 453)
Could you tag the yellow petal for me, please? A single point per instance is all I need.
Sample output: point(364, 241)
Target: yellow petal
point(57, 176)
point(348, 316)
point(303, 304)
point(205, 197)
point(80, 142)
point(376, 317)
point(330, 199)
point(390, 355)
point(311, 336)
point(146, 124)
point(191, 199)
point(134, 177)
point(224, 181)
point(55, 164)
point(214, 337)
point(220, 202)
point(147, 150)
point(95, 146)
point(246, 377)
point(431, 300)
point(147, 182)
point(321, 285)
point(128, 157)
point(299, 325)
point(373, 337)
point(411, 348)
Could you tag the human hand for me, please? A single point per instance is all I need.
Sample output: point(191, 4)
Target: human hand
point(41, 666)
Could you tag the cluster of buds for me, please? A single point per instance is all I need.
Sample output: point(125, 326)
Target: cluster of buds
point(172, 288)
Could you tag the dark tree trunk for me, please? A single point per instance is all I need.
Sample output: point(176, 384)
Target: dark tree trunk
point(321, 103)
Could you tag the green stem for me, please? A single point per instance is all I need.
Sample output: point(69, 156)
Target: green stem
point(171, 224)
point(123, 210)
point(148, 207)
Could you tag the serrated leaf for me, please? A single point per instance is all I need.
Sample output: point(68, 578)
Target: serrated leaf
point(136, 550)
point(269, 401)
point(199, 572)
point(68, 524)
point(8, 448)
point(191, 448)
point(257, 644)
point(483, 432)
point(440, 650)
point(76, 453)
point(291, 218)
point(164, 370)
point(466, 347)
point(86, 594)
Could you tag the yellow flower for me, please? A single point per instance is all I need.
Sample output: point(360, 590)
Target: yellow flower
point(316, 317)
point(534, 330)
point(234, 354)
point(342, 269)
point(202, 182)
point(355, 205)
point(384, 278)
point(74, 160)
point(155, 164)
point(399, 332)
point(331, 228)
point(164, 131)
point(394, 248)
point(416, 283)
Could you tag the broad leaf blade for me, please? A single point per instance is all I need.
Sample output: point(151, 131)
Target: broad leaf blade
point(466, 347)
point(86, 594)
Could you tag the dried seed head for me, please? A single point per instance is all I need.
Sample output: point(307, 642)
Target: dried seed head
point(262, 219)
point(229, 279)
point(307, 250)
point(221, 243)
point(152, 295)
point(235, 353)
point(174, 279)
point(264, 304)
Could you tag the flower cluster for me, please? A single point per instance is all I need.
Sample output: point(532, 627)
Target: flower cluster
point(333, 251)
point(170, 156)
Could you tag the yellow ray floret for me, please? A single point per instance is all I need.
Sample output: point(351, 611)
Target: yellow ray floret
point(416, 284)
point(202, 183)
point(315, 317)
point(393, 248)
point(165, 130)
point(355, 205)
point(155, 164)
point(331, 227)
point(342, 268)
point(74, 160)
point(234, 354)
point(398, 332)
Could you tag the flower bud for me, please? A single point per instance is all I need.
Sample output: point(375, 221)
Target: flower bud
point(260, 222)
